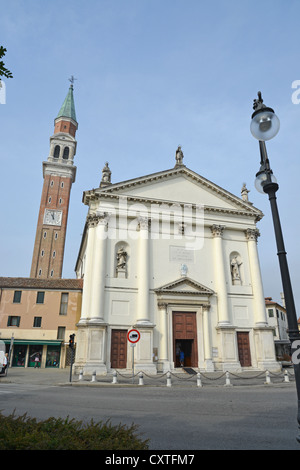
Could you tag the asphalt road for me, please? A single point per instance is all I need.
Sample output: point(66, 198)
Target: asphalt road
point(251, 417)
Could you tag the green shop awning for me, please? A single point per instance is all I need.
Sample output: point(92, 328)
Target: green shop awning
point(37, 342)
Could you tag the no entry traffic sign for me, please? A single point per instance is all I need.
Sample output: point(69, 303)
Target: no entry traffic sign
point(133, 336)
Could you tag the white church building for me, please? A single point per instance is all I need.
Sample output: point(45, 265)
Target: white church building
point(174, 256)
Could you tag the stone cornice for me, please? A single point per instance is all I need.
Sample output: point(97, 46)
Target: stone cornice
point(96, 195)
point(58, 169)
point(116, 187)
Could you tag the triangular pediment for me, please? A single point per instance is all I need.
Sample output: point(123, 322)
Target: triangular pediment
point(178, 185)
point(184, 286)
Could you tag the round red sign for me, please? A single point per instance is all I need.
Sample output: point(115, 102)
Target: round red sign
point(133, 336)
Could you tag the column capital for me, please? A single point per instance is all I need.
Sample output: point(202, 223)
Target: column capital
point(143, 223)
point(99, 218)
point(217, 230)
point(206, 308)
point(162, 305)
point(252, 234)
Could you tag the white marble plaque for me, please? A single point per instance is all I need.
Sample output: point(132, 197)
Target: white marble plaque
point(180, 254)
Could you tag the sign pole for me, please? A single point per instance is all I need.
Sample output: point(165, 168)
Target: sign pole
point(133, 346)
point(133, 337)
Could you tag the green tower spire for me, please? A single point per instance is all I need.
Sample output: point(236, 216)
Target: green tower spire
point(68, 107)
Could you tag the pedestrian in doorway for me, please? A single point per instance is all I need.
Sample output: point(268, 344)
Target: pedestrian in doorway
point(181, 358)
point(37, 361)
point(5, 362)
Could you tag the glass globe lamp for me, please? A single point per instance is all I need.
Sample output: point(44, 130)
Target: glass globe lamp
point(264, 124)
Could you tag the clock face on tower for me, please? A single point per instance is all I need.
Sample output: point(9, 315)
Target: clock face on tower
point(52, 217)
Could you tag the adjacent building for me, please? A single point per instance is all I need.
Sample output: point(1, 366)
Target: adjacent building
point(37, 314)
point(277, 318)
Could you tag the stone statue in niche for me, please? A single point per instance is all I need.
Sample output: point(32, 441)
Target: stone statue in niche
point(235, 271)
point(121, 262)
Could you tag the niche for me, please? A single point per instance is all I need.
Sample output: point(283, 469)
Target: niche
point(236, 269)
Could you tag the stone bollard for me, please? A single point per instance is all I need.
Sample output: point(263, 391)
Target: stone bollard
point(141, 378)
point(81, 375)
point(227, 382)
point(169, 382)
point(94, 376)
point(286, 376)
point(268, 380)
point(199, 383)
point(115, 380)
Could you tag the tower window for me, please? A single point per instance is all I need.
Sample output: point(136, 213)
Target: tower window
point(66, 153)
point(60, 200)
point(56, 236)
point(56, 151)
point(54, 254)
point(52, 272)
point(62, 185)
point(49, 200)
point(42, 253)
point(45, 234)
point(52, 183)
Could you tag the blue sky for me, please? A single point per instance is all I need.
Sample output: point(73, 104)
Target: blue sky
point(151, 74)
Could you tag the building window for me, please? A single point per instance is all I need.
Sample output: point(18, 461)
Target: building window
point(60, 200)
point(64, 304)
point(17, 296)
point(56, 236)
point(37, 322)
point(49, 200)
point(52, 183)
point(40, 272)
point(42, 253)
point(66, 153)
point(270, 313)
point(62, 185)
point(56, 151)
point(40, 297)
point(61, 332)
point(45, 234)
point(13, 321)
point(52, 272)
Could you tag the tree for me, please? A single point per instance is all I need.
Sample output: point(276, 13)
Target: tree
point(3, 70)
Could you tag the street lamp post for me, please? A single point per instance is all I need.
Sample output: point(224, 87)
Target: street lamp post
point(264, 126)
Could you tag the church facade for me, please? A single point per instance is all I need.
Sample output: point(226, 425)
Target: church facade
point(174, 256)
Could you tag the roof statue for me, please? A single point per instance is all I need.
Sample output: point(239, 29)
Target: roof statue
point(179, 157)
point(106, 176)
point(244, 193)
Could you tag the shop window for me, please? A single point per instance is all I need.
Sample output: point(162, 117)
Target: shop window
point(17, 296)
point(53, 356)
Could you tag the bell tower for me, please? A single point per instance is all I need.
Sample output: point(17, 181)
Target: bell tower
point(59, 173)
